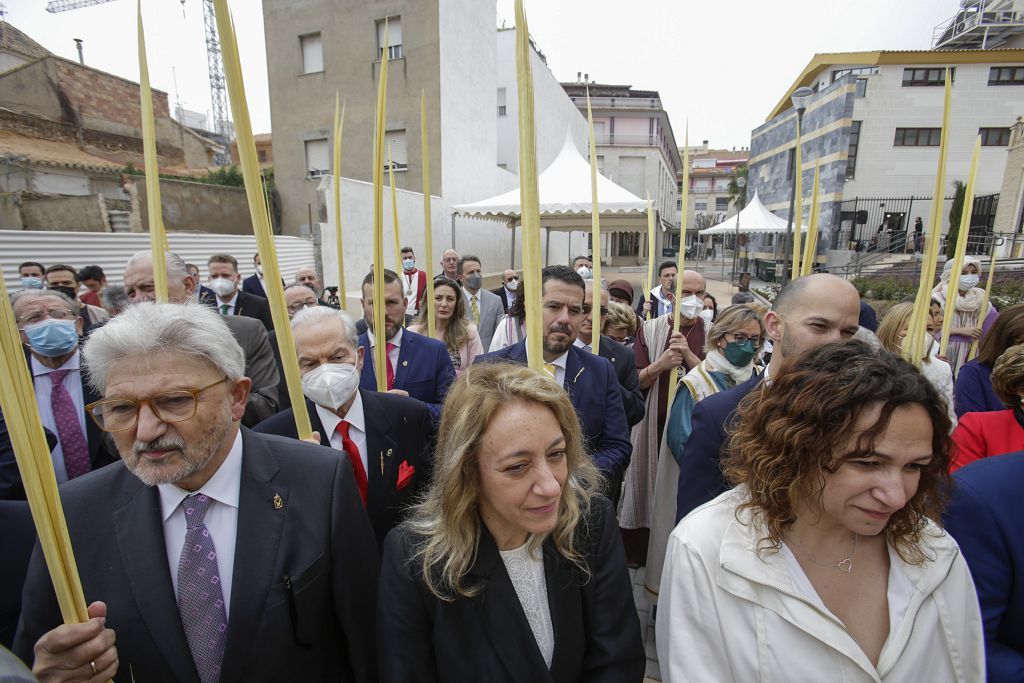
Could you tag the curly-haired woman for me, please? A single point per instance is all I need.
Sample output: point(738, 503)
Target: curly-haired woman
point(824, 563)
point(511, 569)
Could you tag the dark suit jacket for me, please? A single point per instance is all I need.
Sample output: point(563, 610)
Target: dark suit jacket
point(424, 370)
point(253, 285)
point(700, 472)
point(101, 452)
point(502, 294)
point(17, 536)
point(624, 362)
point(259, 367)
point(398, 432)
point(487, 638)
point(304, 582)
point(984, 518)
point(594, 390)
point(252, 306)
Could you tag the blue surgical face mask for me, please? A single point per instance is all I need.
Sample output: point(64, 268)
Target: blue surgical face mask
point(408, 263)
point(32, 283)
point(52, 338)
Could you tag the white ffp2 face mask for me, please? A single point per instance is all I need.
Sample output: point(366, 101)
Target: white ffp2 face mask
point(690, 307)
point(222, 286)
point(331, 385)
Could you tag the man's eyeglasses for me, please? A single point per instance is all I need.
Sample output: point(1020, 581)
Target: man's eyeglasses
point(741, 338)
point(119, 414)
point(40, 316)
point(298, 306)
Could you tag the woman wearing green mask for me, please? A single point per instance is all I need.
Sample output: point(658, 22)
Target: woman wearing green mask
point(966, 310)
point(733, 345)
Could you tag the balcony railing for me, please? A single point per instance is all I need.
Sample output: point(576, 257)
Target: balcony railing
point(617, 102)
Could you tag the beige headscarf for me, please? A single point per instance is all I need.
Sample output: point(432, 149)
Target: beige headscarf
point(965, 301)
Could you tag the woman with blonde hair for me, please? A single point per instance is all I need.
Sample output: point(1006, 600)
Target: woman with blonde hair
point(451, 326)
point(826, 561)
point(733, 344)
point(891, 333)
point(966, 311)
point(511, 568)
point(620, 323)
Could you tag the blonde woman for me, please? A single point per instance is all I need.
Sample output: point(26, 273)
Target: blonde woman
point(967, 325)
point(511, 569)
point(891, 332)
point(451, 326)
point(620, 324)
point(733, 344)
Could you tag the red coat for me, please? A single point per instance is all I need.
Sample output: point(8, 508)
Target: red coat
point(979, 435)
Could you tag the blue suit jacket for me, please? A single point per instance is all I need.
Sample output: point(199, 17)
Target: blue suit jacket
point(252, 285)
point(700, 471)
point(593, 388)
point(973, 392)
point(424, 370)
point(984, 518)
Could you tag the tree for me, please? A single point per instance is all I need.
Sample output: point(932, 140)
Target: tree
point(956, 211)
point(737, 194)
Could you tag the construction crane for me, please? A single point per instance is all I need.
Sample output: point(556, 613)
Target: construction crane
point(215, 62)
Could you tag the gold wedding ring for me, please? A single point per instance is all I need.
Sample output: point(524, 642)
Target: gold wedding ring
point(93, 665)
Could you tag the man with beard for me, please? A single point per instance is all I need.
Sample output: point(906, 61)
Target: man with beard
point(385, 437)
point(417, 366)
point(808, 312)
point(589, 380)
point(140, 284)
point(209, 553)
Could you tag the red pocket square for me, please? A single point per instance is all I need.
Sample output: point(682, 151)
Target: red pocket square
point(405, 473)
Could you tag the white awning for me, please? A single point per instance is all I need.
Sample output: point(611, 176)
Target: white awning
point(565, 199)
point(754, 218)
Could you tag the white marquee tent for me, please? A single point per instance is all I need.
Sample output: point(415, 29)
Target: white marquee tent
point(754, 218)
point(565, 199)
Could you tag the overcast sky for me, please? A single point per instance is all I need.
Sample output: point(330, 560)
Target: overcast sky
point(721, 65)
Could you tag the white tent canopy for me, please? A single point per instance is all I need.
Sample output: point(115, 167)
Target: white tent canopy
point(565, 199)
point(754, 218)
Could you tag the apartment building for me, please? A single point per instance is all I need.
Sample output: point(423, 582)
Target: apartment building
point(710, 172)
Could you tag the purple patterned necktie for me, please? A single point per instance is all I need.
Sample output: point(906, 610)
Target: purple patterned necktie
point(200, 597)
point(69, 428)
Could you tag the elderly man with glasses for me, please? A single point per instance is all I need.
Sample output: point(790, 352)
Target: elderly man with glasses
point(50, 327)
point(209, 552)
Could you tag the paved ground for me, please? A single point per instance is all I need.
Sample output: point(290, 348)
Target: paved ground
point(643, 610)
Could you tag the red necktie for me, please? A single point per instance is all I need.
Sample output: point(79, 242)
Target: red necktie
point(352, 450)
point(391, 368)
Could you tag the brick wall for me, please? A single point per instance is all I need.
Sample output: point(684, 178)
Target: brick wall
point(102, 97)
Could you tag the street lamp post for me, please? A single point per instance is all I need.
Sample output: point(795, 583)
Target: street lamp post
point(800, 99)
point(741, 183)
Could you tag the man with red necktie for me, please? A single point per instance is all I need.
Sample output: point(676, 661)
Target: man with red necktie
point(385, 437)
point(418, 366)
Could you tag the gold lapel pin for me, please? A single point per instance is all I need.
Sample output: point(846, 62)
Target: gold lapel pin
point(578, 375)
point(278, 501)
point(389, 452)
point(405, 363)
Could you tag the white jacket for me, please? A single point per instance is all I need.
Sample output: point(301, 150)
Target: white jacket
point(728, 614)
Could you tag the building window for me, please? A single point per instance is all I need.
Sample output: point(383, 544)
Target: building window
point(860, 71)
point(261, 154)
point(679, 205)
point(914, 77)
point(721, 203)
point(394, 29)
point(600, 164)
point(851, 152)
point(312, 53)
point(317, 158)
point(862, 87)
point(700, 206)
point(395, 145)
point(1006, 75)
point(502, 109)
point(917, 137)
point(994, 137)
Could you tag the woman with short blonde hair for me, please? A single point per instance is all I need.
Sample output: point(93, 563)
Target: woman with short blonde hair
point(510, 539)
point(620, 323)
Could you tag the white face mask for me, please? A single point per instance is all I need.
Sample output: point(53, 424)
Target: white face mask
point(690, 307)
point(512, 286)
point(968, 281)
point(584, 272)
point(331, 385)
point(706, 315)
point(222, 286)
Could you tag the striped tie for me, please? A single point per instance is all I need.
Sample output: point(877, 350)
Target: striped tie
point(550, 369)
point(474, 308)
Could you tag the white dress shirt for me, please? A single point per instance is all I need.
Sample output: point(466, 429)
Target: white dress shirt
point(395, 341)
point(221, 518)
point(44, 387)
point(356, 430)
point(582, 345)
point(559, 364)
point(230, 304)
point(411, 285)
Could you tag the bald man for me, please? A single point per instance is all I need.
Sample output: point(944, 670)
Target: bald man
point(508, 289)
point(808, 312)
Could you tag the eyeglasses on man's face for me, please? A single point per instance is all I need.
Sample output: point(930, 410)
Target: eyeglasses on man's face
point(39, 316)
point(120, 414)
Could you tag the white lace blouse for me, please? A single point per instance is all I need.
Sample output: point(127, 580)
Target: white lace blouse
point(527, 574)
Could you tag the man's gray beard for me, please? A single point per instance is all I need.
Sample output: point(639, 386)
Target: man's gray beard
point(192, 458)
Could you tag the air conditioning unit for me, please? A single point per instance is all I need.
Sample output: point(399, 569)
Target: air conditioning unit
point(317, 173)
